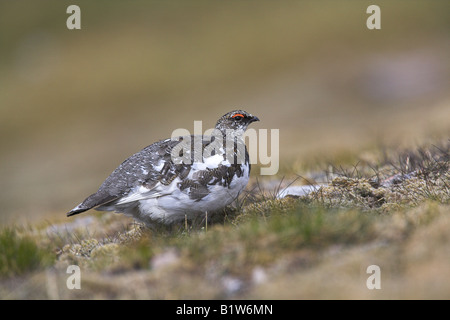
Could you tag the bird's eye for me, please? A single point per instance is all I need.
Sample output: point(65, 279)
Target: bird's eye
point(238, 116)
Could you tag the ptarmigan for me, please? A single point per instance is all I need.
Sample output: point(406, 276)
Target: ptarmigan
point(179, 178)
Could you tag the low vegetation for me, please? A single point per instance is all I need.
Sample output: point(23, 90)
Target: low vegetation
point(390, 209)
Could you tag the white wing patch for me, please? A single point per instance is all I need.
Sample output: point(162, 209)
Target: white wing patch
point(211, 162)
point(138, 193)
point(143, 193)
point(159, 166)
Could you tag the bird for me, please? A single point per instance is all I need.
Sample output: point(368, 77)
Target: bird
point(179, 178)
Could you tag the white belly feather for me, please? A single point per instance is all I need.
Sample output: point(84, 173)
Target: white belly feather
point(169, 203)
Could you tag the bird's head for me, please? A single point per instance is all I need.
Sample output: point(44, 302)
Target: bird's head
point(237, 120)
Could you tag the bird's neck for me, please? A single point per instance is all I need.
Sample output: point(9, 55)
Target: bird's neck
point(229, 134)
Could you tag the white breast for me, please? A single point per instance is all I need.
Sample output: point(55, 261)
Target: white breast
point(169, 203)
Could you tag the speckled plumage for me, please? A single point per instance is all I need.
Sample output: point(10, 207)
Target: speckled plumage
point(154, 186)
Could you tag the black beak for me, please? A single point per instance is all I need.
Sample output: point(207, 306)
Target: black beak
point(253, 119)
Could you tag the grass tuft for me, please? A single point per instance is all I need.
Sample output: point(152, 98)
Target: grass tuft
point(20, 254)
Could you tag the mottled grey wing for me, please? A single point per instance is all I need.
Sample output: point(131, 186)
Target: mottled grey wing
point(139, 169)
point(154, 164)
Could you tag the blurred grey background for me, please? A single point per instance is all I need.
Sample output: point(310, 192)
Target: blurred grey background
point(75, 103)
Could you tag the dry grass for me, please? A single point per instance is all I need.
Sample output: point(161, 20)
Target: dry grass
point(317, 246)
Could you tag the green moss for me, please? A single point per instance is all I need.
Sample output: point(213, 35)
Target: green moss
point(19, 254)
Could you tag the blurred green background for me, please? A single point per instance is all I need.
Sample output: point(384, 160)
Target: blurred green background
point(75, 103)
